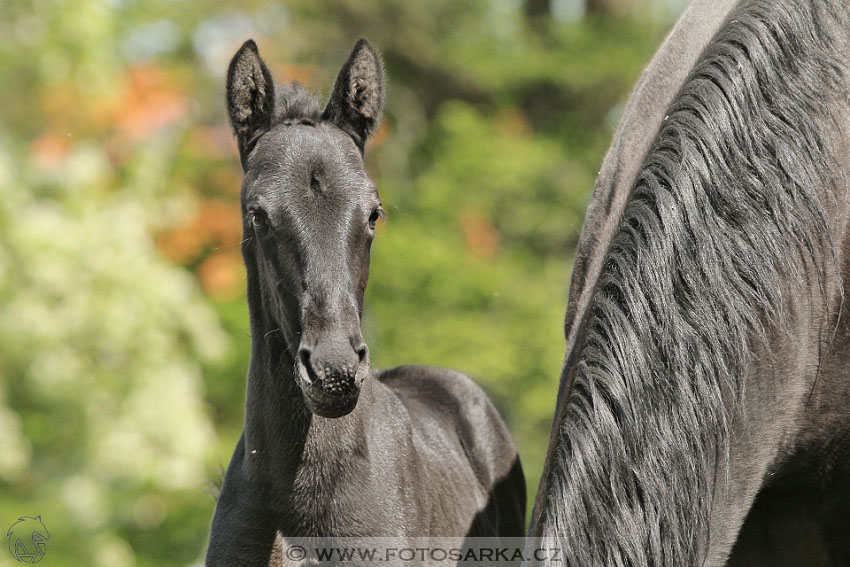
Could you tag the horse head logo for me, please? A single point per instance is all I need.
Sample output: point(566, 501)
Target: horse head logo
point(27, 539)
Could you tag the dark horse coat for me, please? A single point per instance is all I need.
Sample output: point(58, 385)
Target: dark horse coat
point(703, 416)
point(331, 448)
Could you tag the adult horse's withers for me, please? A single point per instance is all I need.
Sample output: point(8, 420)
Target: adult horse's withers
point(703, 416)
point(330, 447)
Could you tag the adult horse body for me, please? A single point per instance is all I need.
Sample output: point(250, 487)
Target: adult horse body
point(331, 448)
point(703, 416)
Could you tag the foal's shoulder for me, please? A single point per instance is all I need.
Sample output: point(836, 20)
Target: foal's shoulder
point(451, 402)
point(430, 381)
point(427, 390)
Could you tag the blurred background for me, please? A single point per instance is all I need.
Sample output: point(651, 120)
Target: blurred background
point(123, 325)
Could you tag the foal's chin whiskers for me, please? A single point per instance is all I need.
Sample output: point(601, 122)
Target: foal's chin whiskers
point(293, 350)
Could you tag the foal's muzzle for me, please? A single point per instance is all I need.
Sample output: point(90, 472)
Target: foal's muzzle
point(331, 373)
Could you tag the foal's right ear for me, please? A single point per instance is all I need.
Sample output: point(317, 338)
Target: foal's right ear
point(250, 98)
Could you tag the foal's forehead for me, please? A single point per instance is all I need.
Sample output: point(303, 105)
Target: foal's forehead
point(306, 148)
point(292, 164)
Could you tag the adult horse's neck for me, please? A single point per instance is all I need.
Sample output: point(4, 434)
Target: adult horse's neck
point(643, 115)
point(697, 346)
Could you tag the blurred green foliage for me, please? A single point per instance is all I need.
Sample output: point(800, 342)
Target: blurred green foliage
point(123, 326)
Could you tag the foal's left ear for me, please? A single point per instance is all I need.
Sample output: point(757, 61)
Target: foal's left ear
point(358, 96)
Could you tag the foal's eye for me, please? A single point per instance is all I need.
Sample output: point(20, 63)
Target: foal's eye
point(259, 219)
point(373, 218)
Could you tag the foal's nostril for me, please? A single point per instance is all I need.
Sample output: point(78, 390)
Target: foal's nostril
point(362, 353)
point(304, 356)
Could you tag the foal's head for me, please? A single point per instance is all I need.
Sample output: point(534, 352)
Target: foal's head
point(309, 212)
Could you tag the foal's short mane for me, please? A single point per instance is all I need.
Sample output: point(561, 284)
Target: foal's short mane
point(294, 103)
point(728, 208)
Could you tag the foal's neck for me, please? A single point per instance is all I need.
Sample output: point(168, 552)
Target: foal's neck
point(279, 424)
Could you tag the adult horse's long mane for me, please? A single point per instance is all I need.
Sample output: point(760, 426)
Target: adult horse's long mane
point(726, 217)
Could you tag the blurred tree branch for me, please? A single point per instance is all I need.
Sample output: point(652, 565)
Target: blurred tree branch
point(535, 9)
point(609, 8)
